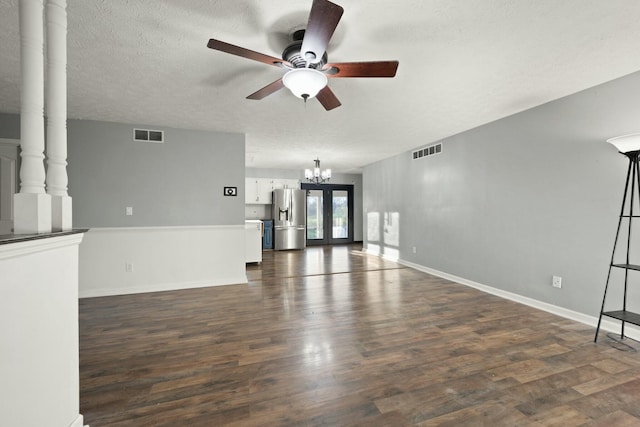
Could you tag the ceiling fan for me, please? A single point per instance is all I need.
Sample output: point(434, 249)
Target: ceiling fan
point(306, 62)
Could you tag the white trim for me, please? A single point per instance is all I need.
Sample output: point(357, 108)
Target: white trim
point(12, 142)
point(390, 258)
point(382, 255)
point(607, 324)
point(10, 250)
point(78, 422)
point(160, 287)
point(370, 252)
point(166, 228)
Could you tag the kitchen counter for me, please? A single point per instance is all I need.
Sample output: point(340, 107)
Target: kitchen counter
point(253, 240)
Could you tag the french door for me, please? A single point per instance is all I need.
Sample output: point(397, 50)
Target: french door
point(329, 213)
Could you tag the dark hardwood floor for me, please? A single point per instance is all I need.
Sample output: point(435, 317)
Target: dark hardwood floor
point(332, 337)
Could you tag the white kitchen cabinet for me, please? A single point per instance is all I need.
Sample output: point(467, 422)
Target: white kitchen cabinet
point(257, 191)
point(250, 190)
point(286, 183)
point(265, 188)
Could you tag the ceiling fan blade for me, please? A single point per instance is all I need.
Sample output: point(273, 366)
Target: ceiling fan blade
point(246, 53)
point(267, 90)
point(323, 20)
point(328, 99)
point(361, 69)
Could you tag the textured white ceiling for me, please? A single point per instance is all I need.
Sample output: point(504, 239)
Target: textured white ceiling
point(462, 64)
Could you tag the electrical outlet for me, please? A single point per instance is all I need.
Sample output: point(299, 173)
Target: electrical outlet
point(414, 250)
point(556, 282)
point(128, 211)
point(128, 267)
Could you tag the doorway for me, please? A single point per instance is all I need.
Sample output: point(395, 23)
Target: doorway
point(329, 214)
point(8, 182)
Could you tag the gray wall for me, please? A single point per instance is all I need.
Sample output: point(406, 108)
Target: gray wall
point(9, 126)
point(514, 202)
point(179, 182)
point(336, 178)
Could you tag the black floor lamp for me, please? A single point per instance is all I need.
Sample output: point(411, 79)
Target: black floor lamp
point(629, 145)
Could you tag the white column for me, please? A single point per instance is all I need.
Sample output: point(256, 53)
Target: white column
point(56, 103)
point(32, 207)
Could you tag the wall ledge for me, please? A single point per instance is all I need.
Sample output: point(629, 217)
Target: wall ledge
point(15, 238)
point(21, 245)
point(167, 228)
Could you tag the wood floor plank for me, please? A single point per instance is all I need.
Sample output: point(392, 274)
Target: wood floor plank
point(488, 413)
point(617, 419)
point(561, 416)
point(606, 382)
point(332, 336)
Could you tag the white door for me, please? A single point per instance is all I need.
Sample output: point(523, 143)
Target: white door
point(8, 183)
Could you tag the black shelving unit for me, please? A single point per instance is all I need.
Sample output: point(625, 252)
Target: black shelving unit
point(631, 189)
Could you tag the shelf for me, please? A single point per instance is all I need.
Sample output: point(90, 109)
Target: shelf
point(628, 215)
point(627, 266)
point(626, 316)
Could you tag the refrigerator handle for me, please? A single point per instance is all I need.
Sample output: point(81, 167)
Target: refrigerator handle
point(293, 212)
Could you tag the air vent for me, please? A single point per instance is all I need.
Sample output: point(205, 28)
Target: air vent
point(146, 135)
point(427, 151)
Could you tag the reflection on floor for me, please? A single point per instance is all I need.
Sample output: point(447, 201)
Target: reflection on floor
point(315, 260)
point(331, 336)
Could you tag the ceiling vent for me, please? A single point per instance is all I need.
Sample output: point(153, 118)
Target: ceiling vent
point(427, 151)
point(147, 135)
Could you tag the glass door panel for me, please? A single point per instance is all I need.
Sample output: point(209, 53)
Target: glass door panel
point(329, 213)
point(340, 214)
point(315, 219)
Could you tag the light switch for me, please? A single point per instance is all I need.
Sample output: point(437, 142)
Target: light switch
point(129, 210)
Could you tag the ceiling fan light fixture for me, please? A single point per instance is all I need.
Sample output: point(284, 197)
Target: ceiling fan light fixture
point(304, 82)
point(306, 59)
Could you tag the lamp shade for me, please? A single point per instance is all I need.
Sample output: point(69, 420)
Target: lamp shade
point(626, 143)
point(304, 82)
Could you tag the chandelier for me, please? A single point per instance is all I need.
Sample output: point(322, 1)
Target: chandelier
point(317, 176)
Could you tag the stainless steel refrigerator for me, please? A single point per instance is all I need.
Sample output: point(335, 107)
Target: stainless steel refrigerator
point(289, 219)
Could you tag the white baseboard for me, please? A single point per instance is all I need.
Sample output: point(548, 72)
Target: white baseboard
point(78, 422)
point(607, 324)
point(159, 287)
point(378, 253)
